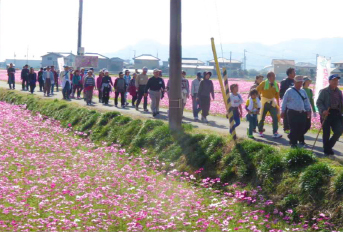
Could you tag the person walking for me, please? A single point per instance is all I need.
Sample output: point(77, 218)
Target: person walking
point(127, 79)
point(330, 106)
point(141, 82)
point(65, 78)
point(184, 90)
point(253, 106)
point(154, 86)
point(47, 77)
point(25, 78)
point(89, 87)
point(258, 80)
point(32, 80)
point(106, 87)
point(236, 106)
point(286, 84)
point(120, 89)
point(206, 89)
point(11, 76)
point(194, 93)
point(40, 80)
point(297, 105)
point(132, 89)
point(98, 85)
point(270, 103)
point(76, 84)
point(306, 85)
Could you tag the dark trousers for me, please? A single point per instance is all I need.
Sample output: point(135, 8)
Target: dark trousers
point(100, 95)
point(333, 122)
point(106, 95)
point(11, 82)
point(297, 124)
point(196, 106)
point(32, 87)
point(41, 85)
point(134, 99)
point(66, 91)
point(286, 122)
point(268, 107)
point(77, 89)
point(25, 84)
point(205, 105)
point(252, 119)
point(122, 96)
point(140, 96)
point(56, 84)
point(236, 118)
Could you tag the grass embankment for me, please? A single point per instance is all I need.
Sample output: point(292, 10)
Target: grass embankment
point(293, 179)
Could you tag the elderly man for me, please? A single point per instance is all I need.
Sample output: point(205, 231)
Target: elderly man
point(66, 82)
point(297, 105)
point(330, 106)
point(141, 82)
point(25, 78)
point(11, 76)
point(269, 91)
point(48, 77)
point(154, 86)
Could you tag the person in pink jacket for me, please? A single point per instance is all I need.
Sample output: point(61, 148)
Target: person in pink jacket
point(98, 85)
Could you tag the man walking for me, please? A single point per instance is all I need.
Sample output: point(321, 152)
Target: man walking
point(11, 76)
point(120, 89)
point(330, 106)
point(127, 79)
point(154, 87)
point(184, 90)
point(194, 93)
point(25, 78)
point(65, 77)
point(269, 91)
point(55, 80)
point(286, 84)
point(297, 105)
point(141, 82)
point(48, 76)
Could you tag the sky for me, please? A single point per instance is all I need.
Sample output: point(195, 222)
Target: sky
point(39, 26)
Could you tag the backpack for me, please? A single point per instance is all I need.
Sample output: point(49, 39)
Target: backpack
point(120, 87)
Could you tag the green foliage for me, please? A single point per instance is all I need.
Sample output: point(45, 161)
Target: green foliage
point(315, 178)
point(106, 117)
point(339, 184)
point(290, 201)
point(90, 122)
point(299, 158)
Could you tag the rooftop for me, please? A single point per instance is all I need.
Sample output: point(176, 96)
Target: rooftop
point(305, 65)
point(96, 54)
point(226, 61)
point(284, 62)
point(146, 57)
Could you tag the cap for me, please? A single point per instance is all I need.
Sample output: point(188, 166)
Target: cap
point(105, 70)
point(156, 70)
point(145, 69)
point(120, 73)
point(334, 76)
point(65, 66)
point(307, 79)
point(299, 78)
point(199, 74)
point(126, 71)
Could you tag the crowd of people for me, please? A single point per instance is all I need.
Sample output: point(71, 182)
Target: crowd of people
point(296, 110)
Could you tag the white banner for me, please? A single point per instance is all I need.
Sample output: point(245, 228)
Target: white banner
point(323, 73)
point(60, 62)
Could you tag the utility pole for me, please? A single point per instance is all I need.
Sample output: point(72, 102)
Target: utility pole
point(175, 53)
point(79, 39)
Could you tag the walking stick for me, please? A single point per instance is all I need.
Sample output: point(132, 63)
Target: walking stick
point(320, 130)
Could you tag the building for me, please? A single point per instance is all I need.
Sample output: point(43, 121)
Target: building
point(116, 64)
point(192, 70)
point(338, 69)
point(306, 69)
point(103, 61)
point(50, 59)
point(20, 63)
point(149, 61)
point(280, 67)
point(192, 61)
point(227, 63)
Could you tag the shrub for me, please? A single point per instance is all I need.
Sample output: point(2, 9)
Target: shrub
point(290, 201)
point(106, 117)
point(339, 184)
point(299, 158)
point(315, 178)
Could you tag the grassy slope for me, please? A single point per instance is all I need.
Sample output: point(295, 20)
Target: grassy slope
point(291, 178)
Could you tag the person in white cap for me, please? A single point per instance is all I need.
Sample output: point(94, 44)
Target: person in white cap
point(141, 82)
point(66, 82)
point(154, 86)
point(297, 105)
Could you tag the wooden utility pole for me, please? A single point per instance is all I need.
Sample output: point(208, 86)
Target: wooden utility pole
point(175, 53)
point(79, 38)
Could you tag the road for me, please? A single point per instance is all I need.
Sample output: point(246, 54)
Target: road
point(216, 124)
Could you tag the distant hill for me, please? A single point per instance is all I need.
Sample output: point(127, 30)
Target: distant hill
point(258, 55)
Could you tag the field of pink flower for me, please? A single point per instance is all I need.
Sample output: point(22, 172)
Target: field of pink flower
point(217, 106)
point(52, 180)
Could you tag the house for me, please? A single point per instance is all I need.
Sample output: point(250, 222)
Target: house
point(306, 69)
point(21, 62)
point(149, 61)
point(227, 63)
point(50, 59)
point(192, 61)
point(338, 69)
point(280, 67)
point(103, 61)
point(192, 70)
point(116, 64)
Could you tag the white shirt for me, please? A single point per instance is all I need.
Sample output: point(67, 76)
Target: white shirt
point(236, 100)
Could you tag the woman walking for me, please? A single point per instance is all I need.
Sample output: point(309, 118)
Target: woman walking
point(98, 85)
point(32, 80)
point(76, 84)
point(206, 89)
point(132, 89)
point(89, 87)
point(106, 87)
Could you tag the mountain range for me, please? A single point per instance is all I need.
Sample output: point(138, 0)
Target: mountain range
point(257, 55)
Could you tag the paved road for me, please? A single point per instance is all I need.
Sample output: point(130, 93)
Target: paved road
point(217, 124)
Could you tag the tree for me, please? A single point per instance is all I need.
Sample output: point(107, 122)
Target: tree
point(253, 72)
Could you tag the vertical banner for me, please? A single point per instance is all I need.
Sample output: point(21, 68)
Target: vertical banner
point(323, 73)
point(60, 62)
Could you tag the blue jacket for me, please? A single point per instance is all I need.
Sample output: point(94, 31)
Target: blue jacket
point(51, 77)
